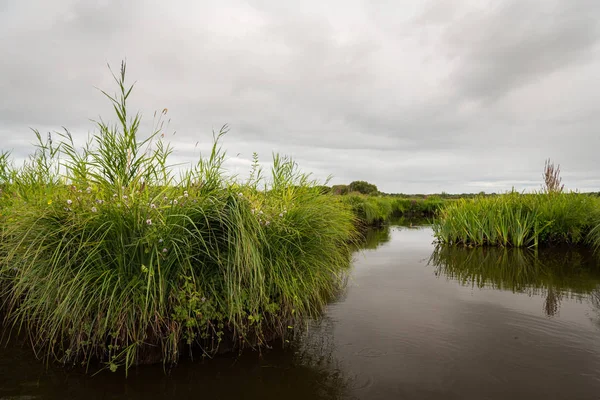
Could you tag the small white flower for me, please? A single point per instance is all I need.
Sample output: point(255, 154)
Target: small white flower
point(240, 194)
point(253, 211)
point(94, 209)
point(69, 202)
point(148, 221)
point(125, 197)
point(165, 250)
point(153, 206)
point(260, 212)
point(203, 299)
point(185, 194)
point(114, 195)
point(79, 191)
point(267, 223)
point(281, 215)
point(175, 202)
point(89, 190)
point(160, 240)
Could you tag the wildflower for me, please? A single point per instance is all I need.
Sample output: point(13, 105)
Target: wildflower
point(69, 202)
point(125, 197)
point(80, 191)
point(114, 195)
point(260, 212)
point(267, 223)
point(160, 240)
point(99, 201)
point(281, 215)
point(174, 202)
point(49, 202)
point(203, 299)
point(148, 221)
point(164, 250)
point(240, 194)
point(94, 209)
point(88, 190)
point(253, 211)
point(185, 194)
point(153, 206)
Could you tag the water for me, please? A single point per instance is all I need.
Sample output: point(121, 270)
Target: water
point(414, 323)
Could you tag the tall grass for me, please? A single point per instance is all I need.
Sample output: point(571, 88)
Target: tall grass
point(105, 256)
point(518, 220)
point(377, 210)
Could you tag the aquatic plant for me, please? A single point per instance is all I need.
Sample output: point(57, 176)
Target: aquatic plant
point(516, 219)
point(105, 256)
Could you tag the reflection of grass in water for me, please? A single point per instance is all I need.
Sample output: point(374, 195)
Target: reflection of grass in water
point(553, 273)
point(372, 238)
point(313, 349)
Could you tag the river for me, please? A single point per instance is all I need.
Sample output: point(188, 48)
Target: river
point(415, 322)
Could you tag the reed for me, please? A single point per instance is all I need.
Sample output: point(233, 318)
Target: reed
point(519, 220)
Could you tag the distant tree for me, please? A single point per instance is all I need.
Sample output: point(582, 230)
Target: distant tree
point(339, 189)
point(362, 187)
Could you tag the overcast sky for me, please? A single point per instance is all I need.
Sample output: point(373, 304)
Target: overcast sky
point(414, 96)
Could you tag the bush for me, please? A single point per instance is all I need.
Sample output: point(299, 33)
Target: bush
point(362, 187)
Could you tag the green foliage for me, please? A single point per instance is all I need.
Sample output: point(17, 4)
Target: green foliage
point(339, 189)
point(104, 256)
point(362, 187)
point(369, 210)
point(518, 220)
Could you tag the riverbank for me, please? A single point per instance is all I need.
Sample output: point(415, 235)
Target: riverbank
point(376, 210)
point(520, 220)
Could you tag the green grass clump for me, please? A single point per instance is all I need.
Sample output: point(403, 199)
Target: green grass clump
point(369, 210)
point(518, 220)
point(377, 210)
point(106, 257)
point(419, 207)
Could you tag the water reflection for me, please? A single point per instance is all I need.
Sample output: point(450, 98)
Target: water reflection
point(554, 273)
point(306, 369)
point(372, 238)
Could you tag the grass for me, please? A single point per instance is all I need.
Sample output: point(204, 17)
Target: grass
point(377, 210)
point(106, 257)
point(519, 220)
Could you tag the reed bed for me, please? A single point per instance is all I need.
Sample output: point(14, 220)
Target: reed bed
point(519, 220)
point(378, 210)
point(106, 257)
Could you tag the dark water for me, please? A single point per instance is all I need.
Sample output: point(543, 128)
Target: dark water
point(415, 323)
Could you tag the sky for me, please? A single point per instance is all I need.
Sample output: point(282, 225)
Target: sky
point(413, 96)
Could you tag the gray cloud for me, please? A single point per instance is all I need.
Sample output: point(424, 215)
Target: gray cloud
point(415, 97)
